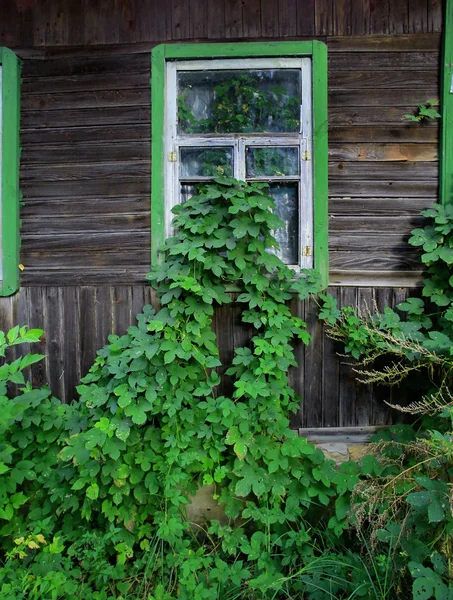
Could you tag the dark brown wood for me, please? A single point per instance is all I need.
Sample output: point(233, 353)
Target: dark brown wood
point(435, 16)
point(367, 116)
point(377, 79)
point(391, 258)
point(269, 18)
point(371, 97)
point(418, 16)
point(233, 19)
point(380, 169)
point(331, 376)
point(323, 17)
point(78, 321)
point(404, 133)
point(398, 16)
point(384, 60)
point(385, 189)
point(251, 18)
point(287, 11)
point(305, 14)
point(379, 16)
point(312, 407)
point(388, 207)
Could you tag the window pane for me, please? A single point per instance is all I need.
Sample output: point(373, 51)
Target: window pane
point(287, 207)
point(240, 101)
point(272, 161)
point(206, 162)
point(187, 191)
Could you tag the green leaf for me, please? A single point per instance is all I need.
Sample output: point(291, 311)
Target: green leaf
point(93, 491)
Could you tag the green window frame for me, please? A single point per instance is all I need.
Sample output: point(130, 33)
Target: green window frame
point(317, 52)
point(9, 172)
point(446, 144)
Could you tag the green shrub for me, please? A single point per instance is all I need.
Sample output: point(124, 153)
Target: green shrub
point(405, 502)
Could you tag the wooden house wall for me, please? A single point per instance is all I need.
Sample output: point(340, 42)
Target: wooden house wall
point(85, 167)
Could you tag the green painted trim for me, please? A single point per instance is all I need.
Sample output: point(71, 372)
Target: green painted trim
point(157, 151)
point(239, 50)
point(318, 51)
point(10, 171)
point(320, 161)
point(446, 143)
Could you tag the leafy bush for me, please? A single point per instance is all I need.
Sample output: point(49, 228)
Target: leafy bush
point(405, 505)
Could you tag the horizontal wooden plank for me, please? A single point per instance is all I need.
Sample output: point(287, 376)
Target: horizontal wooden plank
point(88, 99)
point(369, 116)
point(384, 61)
point(81, 152)
point(82, 83)
point(385, 43)
point(94, 133)
point(82, 276)
point(88, 259)
point(375, 279)
point(359, 80)
point(73, 242)
point(387, 171)
point(404, 133)
point(113, 115)
point(386, 189)
point(64, 207)
point(371, 242)
point(389, 207)
point(383, 152)
point(362, 258)
point(380, 97)
point(399, 224)
point(115, 170)
point(84, 188)
point(86, 64)
point(85, 223)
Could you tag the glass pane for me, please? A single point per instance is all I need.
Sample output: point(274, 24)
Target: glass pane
point(287, 207)
point(187, 191)
point(272, 162)
point(206, 162)
point(240, 101)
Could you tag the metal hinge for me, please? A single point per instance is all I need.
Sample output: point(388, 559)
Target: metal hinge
point(172, 157)
point(307, 250)
point(306, 155)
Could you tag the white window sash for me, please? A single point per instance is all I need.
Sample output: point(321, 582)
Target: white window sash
point(239, 142)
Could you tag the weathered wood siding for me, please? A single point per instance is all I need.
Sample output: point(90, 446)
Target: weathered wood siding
point(93, 22)
point(85, 173)
point(78, 319)
point(85, 167)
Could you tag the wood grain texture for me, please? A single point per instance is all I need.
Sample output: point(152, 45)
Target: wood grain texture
point(86, 140)
point(78, 320)
point(56, 23)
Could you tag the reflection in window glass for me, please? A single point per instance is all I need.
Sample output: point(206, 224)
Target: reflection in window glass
point(287, 207)
point(240, 101)
point(272, 161)
point(206, 162)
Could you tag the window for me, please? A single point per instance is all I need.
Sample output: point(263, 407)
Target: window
point(257, 112)
point(9, 172)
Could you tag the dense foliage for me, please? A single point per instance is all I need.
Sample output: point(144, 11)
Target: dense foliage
point(106, 507)
point(94, 496)
point(407, 507)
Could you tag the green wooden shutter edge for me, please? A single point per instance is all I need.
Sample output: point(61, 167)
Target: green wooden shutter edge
point(10, 171)
point(318, 52)
point(446, 144)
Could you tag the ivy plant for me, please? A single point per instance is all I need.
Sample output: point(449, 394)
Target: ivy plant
point(157, 428)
